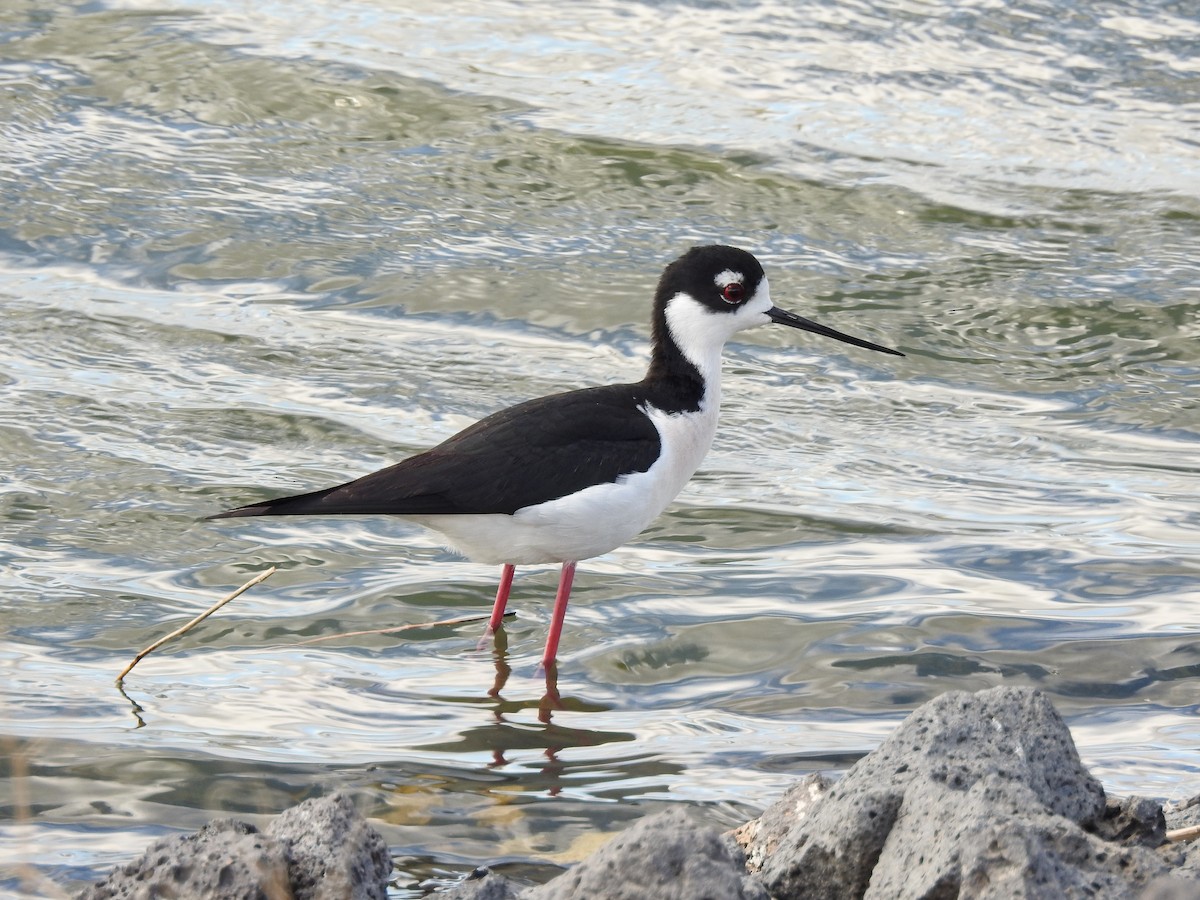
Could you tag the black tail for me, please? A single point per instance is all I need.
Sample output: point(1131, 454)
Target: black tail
point(296, 505)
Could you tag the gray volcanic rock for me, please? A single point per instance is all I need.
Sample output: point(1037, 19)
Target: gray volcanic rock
point(225, 858)
point(333, 853)
point(1133, 820)
point(973, 796)
point(322, 849)
point(483, 884)
point(760, 837)
point(666, 856)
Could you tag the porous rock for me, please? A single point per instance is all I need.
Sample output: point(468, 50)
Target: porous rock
point(320, 850)
point(333, 852)
point(973, 796)
point(483, 884)
point(1133, 820)
point(225, 858)
point(759, 837)
point(665, 856)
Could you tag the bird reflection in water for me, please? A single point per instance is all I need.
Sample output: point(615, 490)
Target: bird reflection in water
point(507, 733)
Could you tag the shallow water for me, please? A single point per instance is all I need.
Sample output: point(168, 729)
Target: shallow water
point(247, 251)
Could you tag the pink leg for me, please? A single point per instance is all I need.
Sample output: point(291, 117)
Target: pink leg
point(506, 578)
point(560, 613)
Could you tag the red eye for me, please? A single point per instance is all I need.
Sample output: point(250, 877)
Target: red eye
point(734, 292)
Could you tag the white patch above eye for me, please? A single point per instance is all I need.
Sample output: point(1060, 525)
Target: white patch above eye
point(729, 277)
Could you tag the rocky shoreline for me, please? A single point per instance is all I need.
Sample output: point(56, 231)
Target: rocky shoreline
point(973, 796)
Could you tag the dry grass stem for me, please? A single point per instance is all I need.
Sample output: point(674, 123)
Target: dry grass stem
point(1179, 835)
point(463, 620)
point(261, 576)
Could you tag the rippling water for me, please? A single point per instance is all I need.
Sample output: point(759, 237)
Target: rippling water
point(252, 249)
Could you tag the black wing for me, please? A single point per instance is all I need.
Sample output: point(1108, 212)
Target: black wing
point(527, 454)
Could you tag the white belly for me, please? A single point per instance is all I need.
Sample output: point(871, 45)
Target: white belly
point(592, 521)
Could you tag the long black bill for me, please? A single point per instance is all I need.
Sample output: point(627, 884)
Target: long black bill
point(783, 317)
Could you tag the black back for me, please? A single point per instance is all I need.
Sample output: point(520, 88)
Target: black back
point(530, 453)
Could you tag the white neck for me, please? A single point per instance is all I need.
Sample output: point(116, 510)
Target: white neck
point(700, 334)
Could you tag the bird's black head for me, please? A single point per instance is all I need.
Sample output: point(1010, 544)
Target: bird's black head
point(714, 291)
point(719, 277)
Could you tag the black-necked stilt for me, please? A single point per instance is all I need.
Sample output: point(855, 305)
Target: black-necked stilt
point(574, 475)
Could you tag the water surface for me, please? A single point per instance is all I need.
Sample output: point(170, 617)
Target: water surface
point(246, 251)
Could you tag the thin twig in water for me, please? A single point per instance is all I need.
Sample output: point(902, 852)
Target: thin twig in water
point(464, 620)
point(261, 576)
